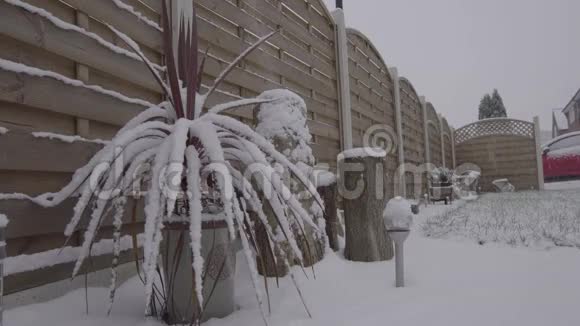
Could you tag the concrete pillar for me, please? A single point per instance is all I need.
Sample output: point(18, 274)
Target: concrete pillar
point(442, 140)
point(539, 162)
point(82, 126)
point(343, 79)
point(3, 224)
point(399, 121)
point(425, 129)
point(453, 147)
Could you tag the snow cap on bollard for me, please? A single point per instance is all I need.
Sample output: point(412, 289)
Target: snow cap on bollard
point(398, 214)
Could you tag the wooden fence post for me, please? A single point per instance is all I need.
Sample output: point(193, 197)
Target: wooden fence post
point(82, 73)
point(441, 132)
point(343, 78)
point(399, 121)
point(539, 163)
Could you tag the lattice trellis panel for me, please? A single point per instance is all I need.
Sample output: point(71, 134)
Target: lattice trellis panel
point(494, 127)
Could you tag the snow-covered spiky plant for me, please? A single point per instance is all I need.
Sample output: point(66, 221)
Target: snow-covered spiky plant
point(175, 146)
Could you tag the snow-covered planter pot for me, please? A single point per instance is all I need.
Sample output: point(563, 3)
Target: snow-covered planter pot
point(441, 177)
point(178, 151)
point(441, 185)
point(218, 251)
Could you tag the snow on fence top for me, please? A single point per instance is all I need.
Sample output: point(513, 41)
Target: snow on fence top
point(362, 152)
point(494, 127)
point(66, 138)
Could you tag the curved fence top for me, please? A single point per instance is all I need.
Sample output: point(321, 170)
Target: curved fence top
point(445, 126)
point(407, 83)
point(432, 115)
point(381, 64)
point(495, 127)
point(321, 8)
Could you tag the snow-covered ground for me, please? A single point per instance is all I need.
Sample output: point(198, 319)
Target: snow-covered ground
point(448, 283)
point(564, 185)
point(530, 218)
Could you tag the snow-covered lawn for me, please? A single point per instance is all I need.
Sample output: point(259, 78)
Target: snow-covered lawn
point(563, 185)
point(536, 219)
point(448, 283)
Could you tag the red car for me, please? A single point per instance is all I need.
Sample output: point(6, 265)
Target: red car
point(561, 157)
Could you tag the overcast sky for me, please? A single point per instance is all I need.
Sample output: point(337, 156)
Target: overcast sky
point(454, 51)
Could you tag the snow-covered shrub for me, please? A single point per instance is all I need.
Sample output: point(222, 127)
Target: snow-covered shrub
point(536, 219)
point(179, 152)
point(283, 121)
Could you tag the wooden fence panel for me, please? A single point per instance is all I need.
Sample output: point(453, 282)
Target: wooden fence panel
point(301, 57)
point(501, 148)
point(413, 139)
point(32, 90)
point(434, 135)
point(81, 61)
point(372, 97)
point(36, 165)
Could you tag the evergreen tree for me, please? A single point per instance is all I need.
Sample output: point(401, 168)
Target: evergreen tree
point(485, 107)
point(498, 109)
point(491, 106)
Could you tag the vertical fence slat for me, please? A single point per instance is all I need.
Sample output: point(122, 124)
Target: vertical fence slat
point(399, 122)
point(425, 129)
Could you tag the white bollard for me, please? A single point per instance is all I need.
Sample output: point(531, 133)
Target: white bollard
point(398, 216)
point(399, 237)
